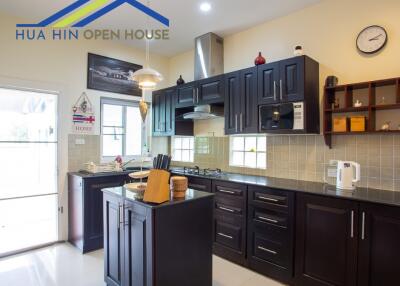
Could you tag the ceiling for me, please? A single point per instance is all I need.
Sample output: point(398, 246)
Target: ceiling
point(186, 20)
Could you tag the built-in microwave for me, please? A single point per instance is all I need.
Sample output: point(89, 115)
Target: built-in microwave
point(284, 116)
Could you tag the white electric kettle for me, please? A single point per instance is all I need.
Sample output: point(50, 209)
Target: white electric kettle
point(348, 173)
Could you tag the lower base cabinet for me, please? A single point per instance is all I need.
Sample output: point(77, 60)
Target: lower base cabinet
point(147, 245)
point(345, 243)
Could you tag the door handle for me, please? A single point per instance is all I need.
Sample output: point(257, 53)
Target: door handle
point(227, 192)
point(226, 209)
point(267, 219)
point(268, 199)
point(280, 89)
point(236, 123)
point(241, 122)
point(197, 95)
point(274, 90)
point(363, 226)
point(267, 250)
point(225, 235)
point(352, 224)
point(120, 215)
point(194, 95)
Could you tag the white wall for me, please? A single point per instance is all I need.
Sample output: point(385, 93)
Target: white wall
point(62, 67)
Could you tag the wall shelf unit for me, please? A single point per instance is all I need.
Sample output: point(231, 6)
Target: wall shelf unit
point(381, 103)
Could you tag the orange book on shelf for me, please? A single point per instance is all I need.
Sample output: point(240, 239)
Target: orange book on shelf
point(157, 190)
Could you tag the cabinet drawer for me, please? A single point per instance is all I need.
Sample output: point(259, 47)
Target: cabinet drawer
point(229, 189)
point(270, 198)
point(269, 250)
point(199, 184)
point(226, 208)
point(228, 235)
point(270, 217)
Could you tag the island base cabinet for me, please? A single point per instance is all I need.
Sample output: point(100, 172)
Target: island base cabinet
point(326, 241)
point(165, 245)
point(379, 251)
point(113, 241)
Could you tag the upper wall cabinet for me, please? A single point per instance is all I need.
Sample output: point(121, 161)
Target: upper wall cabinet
point(288, 80)
point(164, 115)
point(205, 91)
point(164, 112)
point(241, 101)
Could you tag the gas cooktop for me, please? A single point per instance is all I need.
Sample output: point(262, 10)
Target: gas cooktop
point(196, 170)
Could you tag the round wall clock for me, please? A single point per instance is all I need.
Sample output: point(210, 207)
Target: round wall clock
point(372, 39)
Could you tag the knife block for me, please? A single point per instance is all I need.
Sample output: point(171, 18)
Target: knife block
point(157, 190)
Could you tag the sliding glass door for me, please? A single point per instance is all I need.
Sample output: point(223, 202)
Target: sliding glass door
point(28, 170)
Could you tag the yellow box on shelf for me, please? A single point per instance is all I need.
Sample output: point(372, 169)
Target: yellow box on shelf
point(357, 123)
point(340, 124)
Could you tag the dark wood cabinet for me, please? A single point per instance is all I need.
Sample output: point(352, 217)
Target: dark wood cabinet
point(114, 241)
point(85, 209)
point(290, 80)
point(142, 238)
point(270, 223)
point(210, 90)
point(268, 83)
point(230, 208)
point(199, 184)
point(164, 112)
point(326, 241)
point(232, 102)
point(186, 95)
point(241, 115)
point(379, 251)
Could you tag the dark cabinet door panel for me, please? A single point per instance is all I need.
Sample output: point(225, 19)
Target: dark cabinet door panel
point(228, 235)
point(113, 238)
point(137, 243)
point(326, 249)
point(379, 245)
point(199, 184)
point(268, 81)
point(210, 90)
point(186, 95)
point(169, 112)
point(232, 102)
point(291, 84)
point(248, 117)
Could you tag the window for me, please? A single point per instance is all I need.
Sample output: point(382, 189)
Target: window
point(248, 151)
point(122, 129)
point(182, 149)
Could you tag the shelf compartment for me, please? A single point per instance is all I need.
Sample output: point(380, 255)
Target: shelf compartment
point(348, 109)
point(386, 106)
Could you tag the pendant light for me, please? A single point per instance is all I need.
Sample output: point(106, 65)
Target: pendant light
point(147, 78)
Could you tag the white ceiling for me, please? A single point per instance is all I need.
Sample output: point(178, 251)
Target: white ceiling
point(186, 19)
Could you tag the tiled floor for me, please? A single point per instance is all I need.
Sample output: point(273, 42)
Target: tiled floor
point(63, 265)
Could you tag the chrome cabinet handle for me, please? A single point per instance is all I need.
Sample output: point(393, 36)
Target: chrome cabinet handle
point(227, 192)
point(267, 219)
point(352, 225)
point(363, 226)
point(236, 123)
point(194, 95)
point(120, 215)
point(241, 122)
point(197, 95)
point(225, 235)
point(267, 250)
point(268, 199)
point(280, 90)
point(274, 90)
point(226, 209)
point(196, 186)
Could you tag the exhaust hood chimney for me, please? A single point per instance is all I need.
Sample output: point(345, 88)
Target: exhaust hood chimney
point(209, 56)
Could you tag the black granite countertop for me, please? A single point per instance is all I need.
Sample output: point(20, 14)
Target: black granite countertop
point(360, 194)
point(191, 195)
point(85, 174)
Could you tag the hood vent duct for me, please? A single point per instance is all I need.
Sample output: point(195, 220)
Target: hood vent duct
point(203, 112)
point(208, 56)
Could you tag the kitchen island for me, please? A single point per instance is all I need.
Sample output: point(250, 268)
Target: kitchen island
point(165, 245)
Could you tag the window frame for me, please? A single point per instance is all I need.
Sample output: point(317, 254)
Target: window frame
point(231, 151)
point(124, 103)
point(190, 150)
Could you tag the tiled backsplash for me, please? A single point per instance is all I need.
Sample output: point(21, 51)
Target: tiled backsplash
point(79, 154)
point(305, 157)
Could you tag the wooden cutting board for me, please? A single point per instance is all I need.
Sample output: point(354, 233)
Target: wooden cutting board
point(157, 190)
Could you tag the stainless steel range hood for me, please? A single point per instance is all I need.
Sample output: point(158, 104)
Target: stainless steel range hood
point(203, 112)
point(209, 56)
